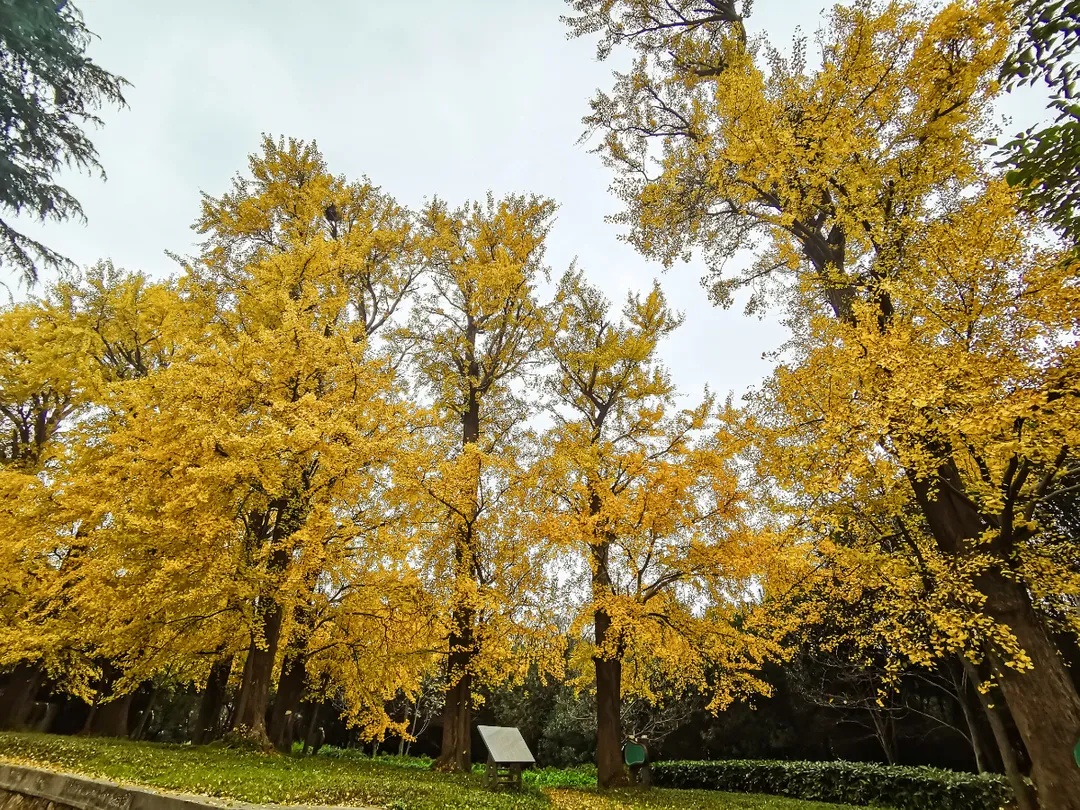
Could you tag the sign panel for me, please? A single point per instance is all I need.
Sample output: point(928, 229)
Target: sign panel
point(506, 745)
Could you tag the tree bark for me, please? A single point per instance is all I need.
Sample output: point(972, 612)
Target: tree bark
point(885, 734)
point(111, 719)
point(250, 718)
point(455, 753)
point(1043, 701)
point(1025, 798)
point(290, 692)
point(17, 699)
point(292, 683)
point(234, 710)
point(314, 736)
point(610, 768)
point(986, 758)
point(144, 718)
point(208, 722)
point(1044, 706)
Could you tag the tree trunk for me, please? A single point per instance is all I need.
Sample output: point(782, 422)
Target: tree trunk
point(885, 734)
point(1043, 701)
point(111, 719)
point(208, 722)
point(610, 768)
point(290, 692)
point(234, 710)
point(17, 699)
point(1048, 724)
point(455, 753)
point(88, 724)
point(144, 717)
point(314, 736)
point(986, 758)
point(48, 717)
point(1025, 799)
point(250, 717)
point(403, 747)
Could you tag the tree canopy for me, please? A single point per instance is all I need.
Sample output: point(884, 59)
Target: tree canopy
point(373, 468)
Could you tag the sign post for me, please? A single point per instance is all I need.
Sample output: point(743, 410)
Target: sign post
point(507, 754)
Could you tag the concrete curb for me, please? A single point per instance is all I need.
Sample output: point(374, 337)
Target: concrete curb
point(84, 793)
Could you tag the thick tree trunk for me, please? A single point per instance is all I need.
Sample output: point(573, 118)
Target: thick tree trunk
point(208, 721)
point(456, 751)
point(17, 699)
point(111, 719)
point(1043, 701)
point(250, 717)
point(1044, 705)
point(290, 692)
point(1025, 799)
point(610, 768)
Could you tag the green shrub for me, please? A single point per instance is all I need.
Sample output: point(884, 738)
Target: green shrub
point(859, 783)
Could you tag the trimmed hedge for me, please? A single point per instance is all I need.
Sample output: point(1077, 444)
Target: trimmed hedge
point(861, 783)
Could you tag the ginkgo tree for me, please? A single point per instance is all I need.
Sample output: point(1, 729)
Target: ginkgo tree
point(977, 352)
point(834, 173)
point(645, 497)
point(473, 338)
point(42, 390)
point(245, 487)
point(61, 352)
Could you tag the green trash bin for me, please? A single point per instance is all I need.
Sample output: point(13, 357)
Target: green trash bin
point(634, 754)
point(636, 757)
point(1076, 753)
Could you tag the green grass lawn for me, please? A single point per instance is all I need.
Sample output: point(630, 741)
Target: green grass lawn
point(400, 783)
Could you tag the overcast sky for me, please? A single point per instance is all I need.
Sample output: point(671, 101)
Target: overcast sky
point(424, 97)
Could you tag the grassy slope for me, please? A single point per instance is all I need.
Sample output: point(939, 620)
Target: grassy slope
point(321, 780)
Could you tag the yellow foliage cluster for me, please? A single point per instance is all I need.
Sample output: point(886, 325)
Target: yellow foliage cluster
point(646, 500)
point(916, 442)
point(313, 449)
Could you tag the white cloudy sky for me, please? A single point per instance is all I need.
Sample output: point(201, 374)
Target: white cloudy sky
point(425, 97)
